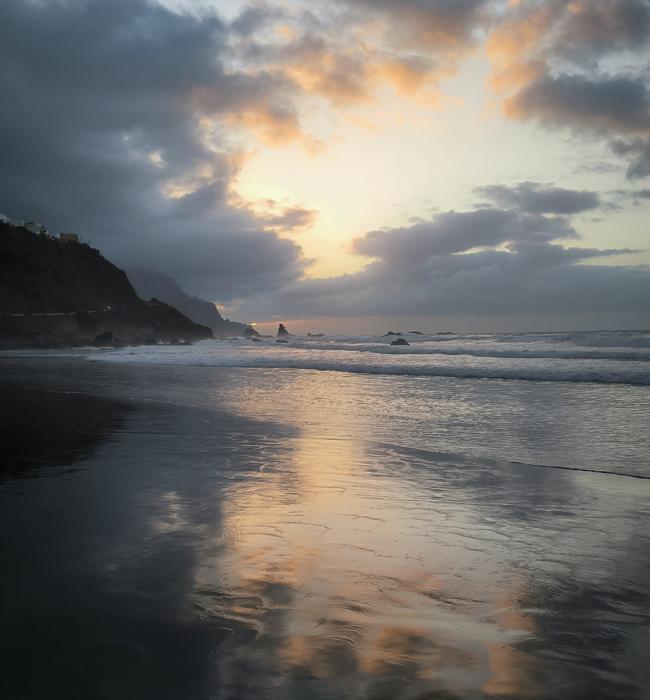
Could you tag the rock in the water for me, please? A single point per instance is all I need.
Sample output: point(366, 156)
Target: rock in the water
point(256, 340)
point(400, 341)
point(415, 333)
point(391, 333)
point(104, 339)
point(315, 335)
point(250, 332)
point(282, 331)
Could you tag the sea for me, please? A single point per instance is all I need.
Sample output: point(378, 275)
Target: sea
point(466, 516)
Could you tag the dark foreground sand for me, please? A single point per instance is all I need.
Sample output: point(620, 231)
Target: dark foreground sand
point(156, 549)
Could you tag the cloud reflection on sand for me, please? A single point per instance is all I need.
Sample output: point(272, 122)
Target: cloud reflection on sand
point(351, 578)
point(220, 556)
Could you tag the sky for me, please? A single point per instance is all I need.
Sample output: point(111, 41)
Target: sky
point(349, 165)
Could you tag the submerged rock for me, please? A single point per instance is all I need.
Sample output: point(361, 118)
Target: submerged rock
point(281, 340)
point(400, 341)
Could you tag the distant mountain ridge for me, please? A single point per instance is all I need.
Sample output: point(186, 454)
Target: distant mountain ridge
point(55, 292)
point(152, 284)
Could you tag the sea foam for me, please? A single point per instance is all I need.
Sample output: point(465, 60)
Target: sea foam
point(621, 358)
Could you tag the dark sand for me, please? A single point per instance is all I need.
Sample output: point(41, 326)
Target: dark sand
point(156, 549)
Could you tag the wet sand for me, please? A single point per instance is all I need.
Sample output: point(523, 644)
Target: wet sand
point(174, 549)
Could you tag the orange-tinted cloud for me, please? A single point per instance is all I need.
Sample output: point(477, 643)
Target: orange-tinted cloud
point(546, 59)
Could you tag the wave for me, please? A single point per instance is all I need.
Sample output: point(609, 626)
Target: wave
point(636, 339)
point(214, 354)
point(424, 348)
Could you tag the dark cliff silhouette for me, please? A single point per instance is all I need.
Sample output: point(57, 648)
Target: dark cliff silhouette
point(55, 293)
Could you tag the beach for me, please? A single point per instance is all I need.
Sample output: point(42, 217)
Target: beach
point(219, 522)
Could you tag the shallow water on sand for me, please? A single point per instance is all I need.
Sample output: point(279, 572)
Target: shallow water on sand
point(239, 537)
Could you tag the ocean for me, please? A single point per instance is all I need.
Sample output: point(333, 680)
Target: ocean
point(467, 516)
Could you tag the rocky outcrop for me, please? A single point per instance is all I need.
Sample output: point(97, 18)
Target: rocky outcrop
point(149, 283)
point(391, 333)
point(250, 332)
point(282, 331)
point(55, 294)
point(400, 341)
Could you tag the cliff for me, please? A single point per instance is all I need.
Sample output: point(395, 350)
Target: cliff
point(55, 293)
point(149, 283)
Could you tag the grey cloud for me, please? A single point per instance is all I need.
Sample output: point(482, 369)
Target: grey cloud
point(455, 232)
point(588, 30)
point(534, 198)
point(101, 103)
point(290, 219)
point(566, 50)
point(606, 103)
point(434, 268)
point(638, 153)
point(255, 17)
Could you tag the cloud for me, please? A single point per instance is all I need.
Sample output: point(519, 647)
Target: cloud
point(122, 122)
point(534, 198)
point(592, 28)
point(444, 26)
point(580, 32)
point(606, 103)
point(345, 52)
point(456, 232)
point(638, 152)
point(290, 219)
point(561, 64)
point(484, 261)
point(114, 131)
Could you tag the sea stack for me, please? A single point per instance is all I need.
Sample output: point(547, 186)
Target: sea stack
point(282, 332)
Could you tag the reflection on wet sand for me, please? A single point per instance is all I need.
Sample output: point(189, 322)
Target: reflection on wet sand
point(350, 578)
point(199, 555)
point(41, 428)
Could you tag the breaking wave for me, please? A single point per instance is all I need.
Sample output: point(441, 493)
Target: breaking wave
point(610, 358)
